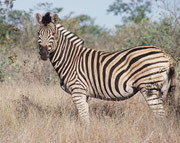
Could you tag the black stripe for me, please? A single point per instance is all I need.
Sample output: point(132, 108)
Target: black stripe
point(80, 93)
point(87, 69)
point(81, 66)
point(155, 104)
point(105, 56)
point(69, 72)
point(81, 58)
point(154, 99)
point(98, 73)
point(93, 70)
point(148, 83)
point(75, 88)
point(81, 74)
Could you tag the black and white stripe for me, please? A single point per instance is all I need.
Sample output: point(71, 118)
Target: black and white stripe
point(85, 72)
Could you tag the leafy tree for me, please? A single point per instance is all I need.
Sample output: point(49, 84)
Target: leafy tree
point(131, 11)
point(5, 28)
point(5, 6)
point(16, 17)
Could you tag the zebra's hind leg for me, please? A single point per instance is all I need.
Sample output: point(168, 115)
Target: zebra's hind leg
point(154, 99)
point(80, 100)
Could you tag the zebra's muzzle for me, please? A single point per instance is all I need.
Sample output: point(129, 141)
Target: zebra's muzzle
point(44, 53)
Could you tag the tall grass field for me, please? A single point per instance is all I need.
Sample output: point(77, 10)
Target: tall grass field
point(35, 113)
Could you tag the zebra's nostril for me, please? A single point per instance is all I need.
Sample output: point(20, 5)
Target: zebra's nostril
point(40, 47)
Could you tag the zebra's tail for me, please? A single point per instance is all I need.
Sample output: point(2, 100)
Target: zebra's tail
point(172, 87)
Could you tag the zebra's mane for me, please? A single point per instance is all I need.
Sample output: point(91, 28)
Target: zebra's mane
point(70, 34)
point(46, 19)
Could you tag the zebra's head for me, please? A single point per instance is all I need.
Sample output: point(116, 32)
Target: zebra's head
point(47, 34)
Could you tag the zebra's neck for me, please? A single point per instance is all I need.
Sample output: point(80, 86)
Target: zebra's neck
point(68, 47)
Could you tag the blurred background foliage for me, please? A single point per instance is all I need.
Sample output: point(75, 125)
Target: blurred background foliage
point(18, 34)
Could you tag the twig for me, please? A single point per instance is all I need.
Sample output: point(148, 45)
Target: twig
point(148, 137)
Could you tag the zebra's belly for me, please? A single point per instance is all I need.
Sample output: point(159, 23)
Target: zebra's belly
point(104, 95)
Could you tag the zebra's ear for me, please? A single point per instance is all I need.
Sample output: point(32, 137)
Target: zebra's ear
point(38, 18)
point(55, 19)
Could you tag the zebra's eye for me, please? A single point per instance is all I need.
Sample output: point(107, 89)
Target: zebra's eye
point(39, 39)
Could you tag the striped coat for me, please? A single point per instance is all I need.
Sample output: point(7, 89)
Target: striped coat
point(119, 75)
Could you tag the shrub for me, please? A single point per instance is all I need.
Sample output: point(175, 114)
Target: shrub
point(162, 34)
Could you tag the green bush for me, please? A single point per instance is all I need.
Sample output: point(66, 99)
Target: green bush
point(162, 34)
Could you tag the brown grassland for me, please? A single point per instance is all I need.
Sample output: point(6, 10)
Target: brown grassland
point(36, 113)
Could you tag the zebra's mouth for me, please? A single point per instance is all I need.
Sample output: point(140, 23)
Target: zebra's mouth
point(43, 57)
point(44, 54)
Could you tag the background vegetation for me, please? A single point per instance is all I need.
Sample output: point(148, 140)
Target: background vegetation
point(18, 32)
point(34, 109)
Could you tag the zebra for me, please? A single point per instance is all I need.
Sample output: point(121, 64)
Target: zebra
point(114, 76)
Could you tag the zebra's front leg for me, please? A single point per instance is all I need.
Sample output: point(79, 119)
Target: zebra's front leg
point(80, 100)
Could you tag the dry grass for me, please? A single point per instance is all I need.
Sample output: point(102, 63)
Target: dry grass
point(36, 113)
